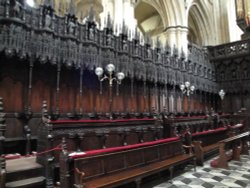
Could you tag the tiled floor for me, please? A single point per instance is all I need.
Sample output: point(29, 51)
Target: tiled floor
point(207, 177)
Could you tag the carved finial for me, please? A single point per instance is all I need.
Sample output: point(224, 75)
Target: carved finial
point(45, 115)
point(167, 49)
point(137, 35)
point(175, 51)
point(116, 30)
point(183, 55)
point(147, 40)
point(91, 16)
point(158, 43)
point(124, 28)
point(109, 23)
point(72, 8)
point(81, 16)
point(64, 145)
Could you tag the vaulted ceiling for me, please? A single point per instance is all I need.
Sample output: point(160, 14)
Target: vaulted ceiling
point(156, 16)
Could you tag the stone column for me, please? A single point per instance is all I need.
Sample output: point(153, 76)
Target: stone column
point(170, 36)
point(177, 35)
point(181, 38)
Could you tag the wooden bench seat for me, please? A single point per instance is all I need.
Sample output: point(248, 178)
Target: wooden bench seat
point(122, 166)
point(201, 151)
point(211, 148)
point(238, 144)
point(138, 173)
point(87, 135)
point(207, 142)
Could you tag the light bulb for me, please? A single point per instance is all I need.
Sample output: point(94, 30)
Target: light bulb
point(110, 68)
point(187, 84)
point(182, 87)
point(120, 76)
point(99, 71)
point(192, 88)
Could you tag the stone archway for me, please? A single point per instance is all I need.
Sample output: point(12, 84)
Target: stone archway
point(199, 23)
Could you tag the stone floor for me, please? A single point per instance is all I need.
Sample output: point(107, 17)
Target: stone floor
point(238, 175)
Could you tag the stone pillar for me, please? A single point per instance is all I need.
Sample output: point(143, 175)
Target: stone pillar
point(170, 36)
point(177, 36)
point(181, 39)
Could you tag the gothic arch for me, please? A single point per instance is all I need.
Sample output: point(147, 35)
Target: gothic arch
point(149, 17)
point(179, 13)
point(83, 7)
point(172, 12)
point(199, 22)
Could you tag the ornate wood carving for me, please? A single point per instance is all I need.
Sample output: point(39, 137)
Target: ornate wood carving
point(2, 138)
point(41, 34)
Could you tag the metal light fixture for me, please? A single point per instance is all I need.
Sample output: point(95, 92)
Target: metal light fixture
point(187, 88)
point(110, 68)
point(109, 75)
point(222, 94)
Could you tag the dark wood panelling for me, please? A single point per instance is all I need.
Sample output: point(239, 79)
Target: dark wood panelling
point(40, 92)
point(12, 93)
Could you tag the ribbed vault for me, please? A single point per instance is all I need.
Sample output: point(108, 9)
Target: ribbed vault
point(199, 23)
point(170, 12)
point(149, 17)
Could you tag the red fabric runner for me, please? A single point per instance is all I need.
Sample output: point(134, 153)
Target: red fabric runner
point(210, 131)
point(99, 121)
point(191, 117)
point(121, 148)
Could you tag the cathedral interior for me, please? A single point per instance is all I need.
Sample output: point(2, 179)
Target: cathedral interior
point(124, 93)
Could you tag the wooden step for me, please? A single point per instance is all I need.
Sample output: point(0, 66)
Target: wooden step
point(36, 182)
point(21, 164)
point(23, 168)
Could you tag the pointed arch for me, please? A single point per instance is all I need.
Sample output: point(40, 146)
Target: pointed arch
point(179, 13)
point(199, 23)
point(149, 17)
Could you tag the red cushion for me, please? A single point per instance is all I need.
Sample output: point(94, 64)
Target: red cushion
point(191, 117)
point(99, 121)
point(121, 148)
point(210, 131)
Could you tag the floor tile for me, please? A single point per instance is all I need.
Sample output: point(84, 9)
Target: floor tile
point(237, 176)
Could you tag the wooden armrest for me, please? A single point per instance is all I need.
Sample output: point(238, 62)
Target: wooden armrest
point(185, 146)
point(197, 144)
point(81, 175)
point(190, 148)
